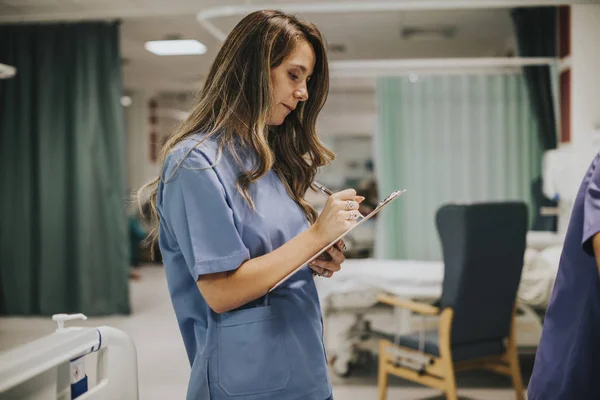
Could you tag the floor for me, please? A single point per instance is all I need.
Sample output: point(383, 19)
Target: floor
point(164, 370)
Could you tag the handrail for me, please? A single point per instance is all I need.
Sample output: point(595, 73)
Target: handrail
point(25, 362)
point(117, 376)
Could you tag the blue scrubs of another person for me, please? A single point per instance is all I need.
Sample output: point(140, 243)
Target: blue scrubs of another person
point(567, 364)
point(272, 349)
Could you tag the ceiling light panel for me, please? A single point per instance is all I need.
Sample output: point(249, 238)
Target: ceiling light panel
point(175, 47)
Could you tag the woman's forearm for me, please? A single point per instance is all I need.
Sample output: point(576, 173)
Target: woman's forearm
point(229, 290)
point(596, 246)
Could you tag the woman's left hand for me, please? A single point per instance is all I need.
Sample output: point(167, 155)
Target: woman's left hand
point(330, 262)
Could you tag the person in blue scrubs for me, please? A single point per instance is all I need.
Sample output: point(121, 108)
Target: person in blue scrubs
point(567, 363)
point(233, 222)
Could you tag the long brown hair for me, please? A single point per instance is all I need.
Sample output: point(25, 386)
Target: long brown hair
point(235, 102)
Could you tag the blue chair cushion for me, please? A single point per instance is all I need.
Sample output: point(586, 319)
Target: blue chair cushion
point(464, 352)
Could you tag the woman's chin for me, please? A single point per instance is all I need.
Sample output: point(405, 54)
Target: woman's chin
point(276, 121)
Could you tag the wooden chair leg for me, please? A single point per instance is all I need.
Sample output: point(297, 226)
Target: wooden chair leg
point(451, 393)
point(382, 375)
point(513, 362)
point(446, 354)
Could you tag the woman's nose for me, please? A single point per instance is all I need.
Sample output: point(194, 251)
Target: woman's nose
point(301, 94)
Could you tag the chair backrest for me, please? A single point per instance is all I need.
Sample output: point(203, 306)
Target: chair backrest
point(483, 247)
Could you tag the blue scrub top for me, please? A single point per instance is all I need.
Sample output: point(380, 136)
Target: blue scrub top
point(567, 364)
point(271, 348)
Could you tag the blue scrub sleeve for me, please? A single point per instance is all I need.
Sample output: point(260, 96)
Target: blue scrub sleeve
point(197, 212)
point(591, 213)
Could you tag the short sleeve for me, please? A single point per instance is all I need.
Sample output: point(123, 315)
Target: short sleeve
point(196, 210)
point(591, 210)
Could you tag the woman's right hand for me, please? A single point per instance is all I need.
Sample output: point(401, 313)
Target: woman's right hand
point(339, 214)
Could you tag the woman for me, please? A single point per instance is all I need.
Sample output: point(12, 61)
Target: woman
point(233, 221)
point(567, 361)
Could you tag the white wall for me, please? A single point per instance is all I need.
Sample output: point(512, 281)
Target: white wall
point(585, 92)
point(572, 159)
point(348, 112)
point(139, 167)
point(347, 124)
point(585, 74)
point(171, 110)
point(136, 124)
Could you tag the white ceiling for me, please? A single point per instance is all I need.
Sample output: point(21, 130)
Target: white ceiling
point(366, 35)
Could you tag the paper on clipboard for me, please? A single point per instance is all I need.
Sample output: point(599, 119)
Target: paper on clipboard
point(381, 204)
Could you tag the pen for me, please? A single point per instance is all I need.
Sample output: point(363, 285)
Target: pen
point(329, 193)
point(322, 188)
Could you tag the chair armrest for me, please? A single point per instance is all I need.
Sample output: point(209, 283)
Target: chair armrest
point(420, 308)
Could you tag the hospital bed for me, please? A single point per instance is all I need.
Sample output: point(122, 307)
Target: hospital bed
point(354, 319)
point(75, 362)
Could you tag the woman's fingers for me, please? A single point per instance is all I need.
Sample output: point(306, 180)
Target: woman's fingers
point(352, 215)
point(351, 205)
point(324, 268)
point(337, 257)
point(316, 270)
point(348, 194)
point(341, 246)
point(327, 267)
point(325, 273)
point(339, 214)
point(320, 271)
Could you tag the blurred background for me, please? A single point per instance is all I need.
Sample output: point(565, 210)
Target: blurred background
point(456, 101)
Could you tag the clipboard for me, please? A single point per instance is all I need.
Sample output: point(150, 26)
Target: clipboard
point(394, 195)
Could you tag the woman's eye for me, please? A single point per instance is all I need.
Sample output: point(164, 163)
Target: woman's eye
point(293, 76)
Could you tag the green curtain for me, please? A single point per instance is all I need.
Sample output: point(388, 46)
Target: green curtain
point(536, 33)
point(63, 231)
point(462, 138)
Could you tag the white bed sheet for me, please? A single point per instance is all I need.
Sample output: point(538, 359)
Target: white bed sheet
point(360, 280)
point(537, 279)
point(540, 240)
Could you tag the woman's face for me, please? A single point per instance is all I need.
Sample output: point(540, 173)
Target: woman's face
point(289, 81)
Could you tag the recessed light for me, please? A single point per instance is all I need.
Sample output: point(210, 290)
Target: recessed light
point(175, 47)
point(126, 101)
